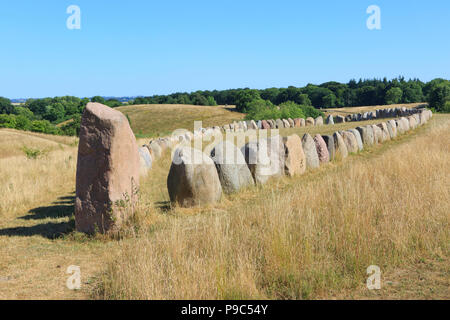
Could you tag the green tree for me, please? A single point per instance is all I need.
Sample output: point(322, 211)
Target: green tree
point(393, 95)
point(439, 96)
point(6, 106)
point(244, 97)
point(98, 99)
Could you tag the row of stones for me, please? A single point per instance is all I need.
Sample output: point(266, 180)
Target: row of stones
point(154, 149)
point(228, 168)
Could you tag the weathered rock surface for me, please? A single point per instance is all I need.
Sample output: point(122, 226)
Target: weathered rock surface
point(232, 169)
point(330, 119)
point(265, 158)
point(318, 121)
point(145, 160)
point(322, 149)
point(309, 148)
point(329, 140)
point(107, 170)
point(358, 138)
point(295, 162)
point(193, 179)
point(339, 146)
point(350, 141)
point(310, 121)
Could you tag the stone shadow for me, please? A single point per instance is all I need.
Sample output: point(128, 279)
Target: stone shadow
point(61, 208)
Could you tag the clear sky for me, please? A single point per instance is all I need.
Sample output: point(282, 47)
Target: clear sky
point(137, 47)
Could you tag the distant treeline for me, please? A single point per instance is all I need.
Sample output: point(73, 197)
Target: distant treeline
point(48, 115)
point(327, 95)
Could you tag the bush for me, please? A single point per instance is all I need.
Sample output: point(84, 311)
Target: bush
point(8, 121)
point(244, 98)
point(263, 109)
point(33, 153)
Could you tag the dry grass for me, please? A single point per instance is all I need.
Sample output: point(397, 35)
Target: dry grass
point(165, 118)
point(306, 237)
point(351, 110)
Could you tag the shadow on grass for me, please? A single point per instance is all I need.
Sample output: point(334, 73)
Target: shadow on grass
point(49, 230)
point(164, 206)
point(61, 208)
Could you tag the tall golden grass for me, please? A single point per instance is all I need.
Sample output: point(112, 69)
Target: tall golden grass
point(311, 236)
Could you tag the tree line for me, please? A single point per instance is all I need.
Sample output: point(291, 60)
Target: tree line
point(62, 115)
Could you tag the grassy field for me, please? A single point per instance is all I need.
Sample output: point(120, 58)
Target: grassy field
point(362, 109)
point(311, 236)
point(165, 118)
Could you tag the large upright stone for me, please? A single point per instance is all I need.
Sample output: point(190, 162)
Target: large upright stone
point(330, 119)
point(339, 146)
point(279, 123)
point(265, 158)
point(339, 119)
point(366, 133)
point(265, 125)
point(155, 149)
point(309, 148)
point(322, 150)
point(286, 123)
point(318, 121)
point(107, 176)
point(231, 167)
point(145, 160)
point(193, 178)
point(329, 140)
point(310, 121)
point(358, 138)
point(350, 141)
point(295, 162)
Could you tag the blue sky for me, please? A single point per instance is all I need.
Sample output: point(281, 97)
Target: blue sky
point(127, 48)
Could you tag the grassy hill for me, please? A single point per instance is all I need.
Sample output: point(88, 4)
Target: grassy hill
point(162, 119)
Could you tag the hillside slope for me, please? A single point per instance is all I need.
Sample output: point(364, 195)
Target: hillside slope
point(162, 119)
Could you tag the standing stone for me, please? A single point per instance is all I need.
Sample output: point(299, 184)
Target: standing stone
point(145, 160)
point(286, 123)
point(412, 122)
point(339, 145)
point(155, 149)
point(297, 123)
point(291, 122)
point(265, 158)
point(265, 125)
point(279, 123)
point(231, 167)
point(318, 121)
point(295, 162)
point(384, 129)
point(309, 148)
point(322, 150)
point(350, 141)
point(107, 170)
point(366, 133)
point(330, 119)
point(377, 134)
point(329, 140)
point(310, 121)
point(339, 119)
point(193, 178)
point(358, 138)
point(390, 129)
point(302, 122)
point(259, 124)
